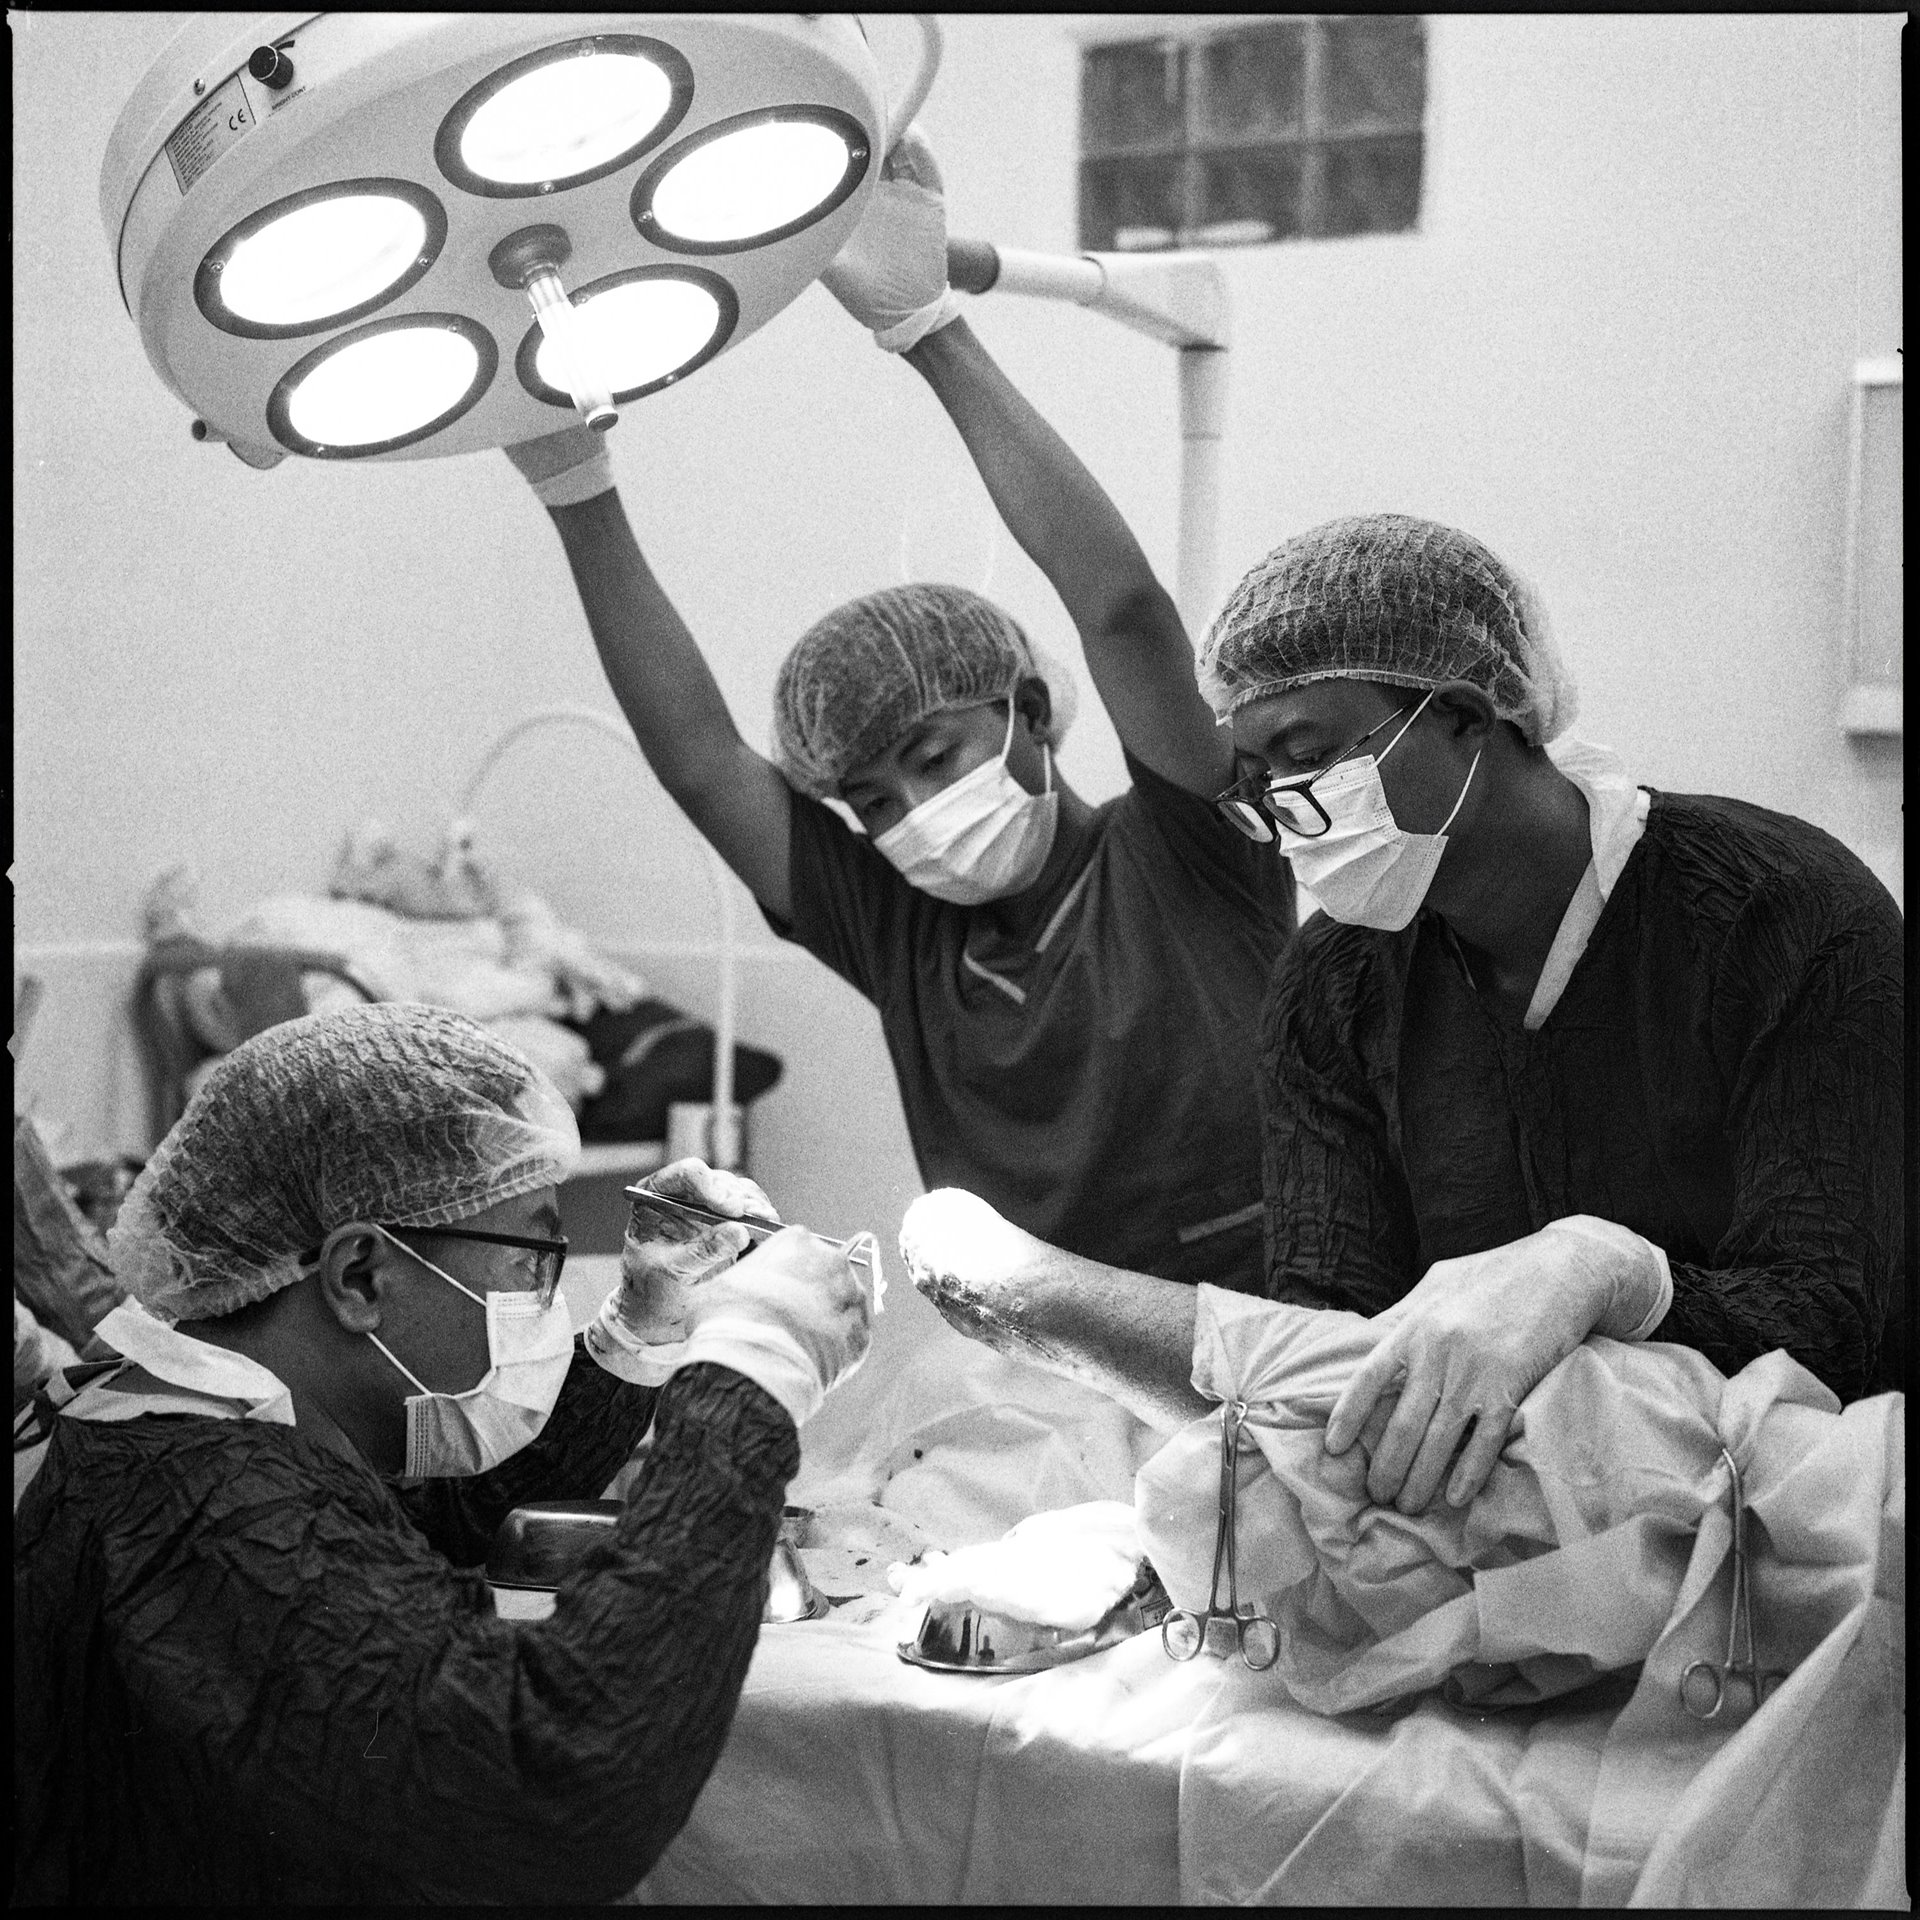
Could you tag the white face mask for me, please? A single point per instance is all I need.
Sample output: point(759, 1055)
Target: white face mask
point(1365, 870)
point(982, 838)
point(529, 1348)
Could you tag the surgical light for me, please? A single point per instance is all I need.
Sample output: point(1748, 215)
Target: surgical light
point(382, 387)
point(565, 115)
point(395, 235)
point(750, 182)
point(320, 258)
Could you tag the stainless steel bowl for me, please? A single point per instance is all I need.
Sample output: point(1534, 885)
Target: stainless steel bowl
point(957, 1637)
point(538, 1545)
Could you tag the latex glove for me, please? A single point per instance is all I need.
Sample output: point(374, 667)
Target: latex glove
point(974, 1265)
point(1467, 1345)
point(659, 1272)
point(792, 1316)
point(892, 273)
point(565, 468)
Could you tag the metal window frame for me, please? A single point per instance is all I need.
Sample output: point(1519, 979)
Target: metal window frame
point(1313, 142)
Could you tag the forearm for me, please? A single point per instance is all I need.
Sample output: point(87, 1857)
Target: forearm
point(1128, 1335)
point(652, 662)
point(1051, 504)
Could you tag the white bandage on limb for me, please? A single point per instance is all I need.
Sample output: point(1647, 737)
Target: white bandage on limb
point(1642, 1280)
point(917, 325)
point(768, 1356)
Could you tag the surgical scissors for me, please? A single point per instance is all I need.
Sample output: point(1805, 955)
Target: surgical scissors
point(1183, 1633)
point(1739, 1627)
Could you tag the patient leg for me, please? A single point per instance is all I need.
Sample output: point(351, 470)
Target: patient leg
point(1128, 1335)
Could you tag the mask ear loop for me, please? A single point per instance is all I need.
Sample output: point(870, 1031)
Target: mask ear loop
point(1462, 801)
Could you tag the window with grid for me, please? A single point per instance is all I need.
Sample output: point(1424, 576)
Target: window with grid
point(1305, 128)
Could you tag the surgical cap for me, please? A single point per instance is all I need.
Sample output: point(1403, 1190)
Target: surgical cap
point(859, 677)
point(1381, 596)
point(409, 1115)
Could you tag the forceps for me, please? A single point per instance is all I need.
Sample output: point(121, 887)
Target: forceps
point(1183, 1633)
point(863, 1250)
point(1739, 1628)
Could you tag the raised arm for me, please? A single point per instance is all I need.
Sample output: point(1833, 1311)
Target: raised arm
point(735, 796)
point(892, 276)
point(1136, 647)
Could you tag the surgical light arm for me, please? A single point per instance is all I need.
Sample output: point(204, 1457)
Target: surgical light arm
point(1179, 299)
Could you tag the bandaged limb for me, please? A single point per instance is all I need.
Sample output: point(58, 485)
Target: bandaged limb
point(1127, 1335)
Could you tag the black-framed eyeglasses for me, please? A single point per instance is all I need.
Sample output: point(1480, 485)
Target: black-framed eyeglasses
point(1256, 804)
point(549, 1256)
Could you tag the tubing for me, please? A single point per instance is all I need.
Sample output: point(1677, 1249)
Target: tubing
point(723, 1132)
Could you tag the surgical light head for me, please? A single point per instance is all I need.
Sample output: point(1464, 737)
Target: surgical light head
point(306, 213)
point(409, 1115)
point(861, 675)
point(1383, 596)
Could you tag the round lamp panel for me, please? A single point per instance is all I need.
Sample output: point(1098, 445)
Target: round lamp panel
point(645, 329)
point(563, 116)
point(751, 180)
point(382, 386)
point(312, 270)
point(321, 258)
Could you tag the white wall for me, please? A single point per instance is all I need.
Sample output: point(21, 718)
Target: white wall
point(1618, 350)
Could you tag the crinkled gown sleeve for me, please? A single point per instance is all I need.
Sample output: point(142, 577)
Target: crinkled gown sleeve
point(1340, 1227)
point(244, 1678)
point(1808, 1032)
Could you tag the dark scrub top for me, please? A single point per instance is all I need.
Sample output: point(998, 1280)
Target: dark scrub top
point(1723, 1074)
point(1095, 1080)
point(244, 1677)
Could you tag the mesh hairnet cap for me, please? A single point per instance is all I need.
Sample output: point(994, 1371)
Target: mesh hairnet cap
point(1381, 596)
point(409, 1115)
point(861, 675)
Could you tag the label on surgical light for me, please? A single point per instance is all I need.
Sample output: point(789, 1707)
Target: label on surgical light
point(205, 135)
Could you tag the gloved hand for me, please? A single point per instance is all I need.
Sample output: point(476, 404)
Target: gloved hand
point(791, 1316)
point(892, 273)
point(565, 468)
point(1467, 1345)
point(659, 1272)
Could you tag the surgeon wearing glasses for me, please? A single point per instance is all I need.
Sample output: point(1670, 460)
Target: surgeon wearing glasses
point(1563, 1056)
point(255, 1663)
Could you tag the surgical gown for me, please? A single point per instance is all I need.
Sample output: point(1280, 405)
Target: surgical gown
point(1095, 1080)
point(1722, 1074)
point(243, 1676)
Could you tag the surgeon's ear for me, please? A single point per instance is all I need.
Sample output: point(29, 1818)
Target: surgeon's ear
point(351, 1277)
point(1467, 710)
point(1034, 704)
